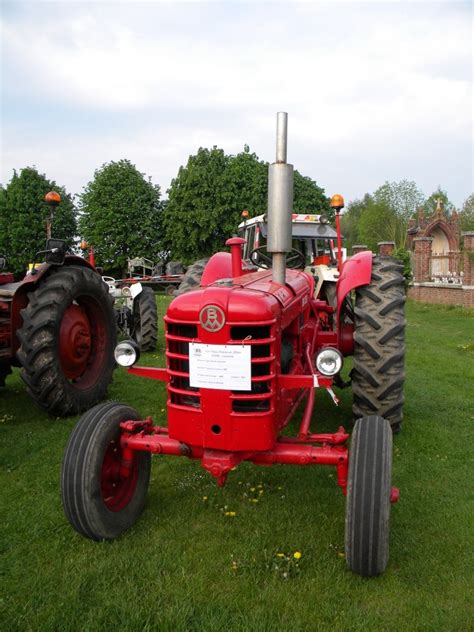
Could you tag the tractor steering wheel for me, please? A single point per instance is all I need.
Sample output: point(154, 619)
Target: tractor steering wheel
point(262, 259)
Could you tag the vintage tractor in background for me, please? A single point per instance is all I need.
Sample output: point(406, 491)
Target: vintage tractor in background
point(242, 352)
point(58, 325)
point(135, 311)
point(134, 306)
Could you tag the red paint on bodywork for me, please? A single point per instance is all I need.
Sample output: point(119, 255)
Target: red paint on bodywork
point(218, 267)
point(356, 271)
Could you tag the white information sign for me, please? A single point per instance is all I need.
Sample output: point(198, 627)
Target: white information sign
point(224, 367)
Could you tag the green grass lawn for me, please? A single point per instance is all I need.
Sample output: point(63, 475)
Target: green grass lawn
point(187, 566)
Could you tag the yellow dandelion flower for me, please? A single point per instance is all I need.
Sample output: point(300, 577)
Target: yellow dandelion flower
point(204, 497)
point(297, 555)
point(231, 514)
point(280, 555)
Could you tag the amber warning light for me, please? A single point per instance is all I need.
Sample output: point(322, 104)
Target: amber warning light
point(52, 198)
point(337, 202)
point(245, 214)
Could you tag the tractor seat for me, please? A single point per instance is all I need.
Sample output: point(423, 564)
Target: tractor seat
point(8, 290)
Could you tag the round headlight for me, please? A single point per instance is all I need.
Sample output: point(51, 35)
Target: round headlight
point(126, 291)
point(324, 219)
point(126, 353)
point(329, 361)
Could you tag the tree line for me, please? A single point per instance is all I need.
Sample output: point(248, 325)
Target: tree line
point(384, 214)
point(122, 213)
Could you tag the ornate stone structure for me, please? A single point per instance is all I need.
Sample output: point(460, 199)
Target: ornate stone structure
point(445, 235)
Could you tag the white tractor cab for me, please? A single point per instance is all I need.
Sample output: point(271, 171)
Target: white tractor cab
point(314, 248)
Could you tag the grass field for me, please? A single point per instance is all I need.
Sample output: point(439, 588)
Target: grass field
point(186, 565)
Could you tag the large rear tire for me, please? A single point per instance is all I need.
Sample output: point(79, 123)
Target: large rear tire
point(67, 340)
point(99, 501)
point(368, 497)
point(192, 277)
point(379, 344)
point(145, 317)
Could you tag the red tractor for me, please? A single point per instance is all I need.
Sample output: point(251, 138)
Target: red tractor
point(242, 352)
point(58, 325)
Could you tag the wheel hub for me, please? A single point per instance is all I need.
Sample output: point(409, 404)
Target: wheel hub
point(75, 341)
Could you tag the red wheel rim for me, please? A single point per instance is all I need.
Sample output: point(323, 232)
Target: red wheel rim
point(117, 488)
point(83, 342)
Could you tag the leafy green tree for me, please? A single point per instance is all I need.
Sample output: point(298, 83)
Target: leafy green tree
point(350, 220)
point(403, 197)
point(208, 195)
point(121, 214)
point(378, 222)
point(23, 214)
point(198, 216)
point(466, 214)
point(431, 203)
point(309, 197)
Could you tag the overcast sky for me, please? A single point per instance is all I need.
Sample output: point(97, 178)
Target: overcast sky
point(375, 91)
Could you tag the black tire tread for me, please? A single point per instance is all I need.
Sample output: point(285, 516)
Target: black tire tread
point(192, 277)
point(368, 497)
point(144, 307)
point(78, 467)
point(379, 344)
point(38, 337)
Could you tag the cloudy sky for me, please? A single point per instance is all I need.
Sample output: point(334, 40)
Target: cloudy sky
point(375, 91)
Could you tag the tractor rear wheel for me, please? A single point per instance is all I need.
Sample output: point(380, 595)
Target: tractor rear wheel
point(67, 340)
point(145, 318)
point(101, 496)
point(368, 497)
point(192, 277)
point(379, 344)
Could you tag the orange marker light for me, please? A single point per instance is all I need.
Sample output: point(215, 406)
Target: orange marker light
point(84, 245)
point(52, 198)
point(245, 214)
point(337, 201)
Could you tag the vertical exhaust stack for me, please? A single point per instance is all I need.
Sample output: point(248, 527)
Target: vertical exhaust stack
point(280, 203)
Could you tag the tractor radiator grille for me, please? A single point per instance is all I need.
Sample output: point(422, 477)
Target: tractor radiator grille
point(178, 337)
point(262, 342)
point(261, 339)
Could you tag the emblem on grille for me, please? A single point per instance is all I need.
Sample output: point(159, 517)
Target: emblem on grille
point(212, 318)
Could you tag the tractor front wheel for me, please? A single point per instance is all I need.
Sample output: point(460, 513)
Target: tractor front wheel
point(379, 344)
point(67, 340)
point(368, 497)
point(102, 494)
point(145, 318)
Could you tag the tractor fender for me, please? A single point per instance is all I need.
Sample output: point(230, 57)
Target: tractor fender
point(356, 271)
point(218, 267)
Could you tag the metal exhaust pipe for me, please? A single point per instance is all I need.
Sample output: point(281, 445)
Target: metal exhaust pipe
point(280, 203)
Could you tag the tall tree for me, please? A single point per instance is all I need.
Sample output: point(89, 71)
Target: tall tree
point(197, 216)
point(431, 203)
point(309, 197)
point(23, 214)
point(121, 214)
point(208, 195)
point(466, 214)
point(350, 220)
point(403, 197)
point(379, 222)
